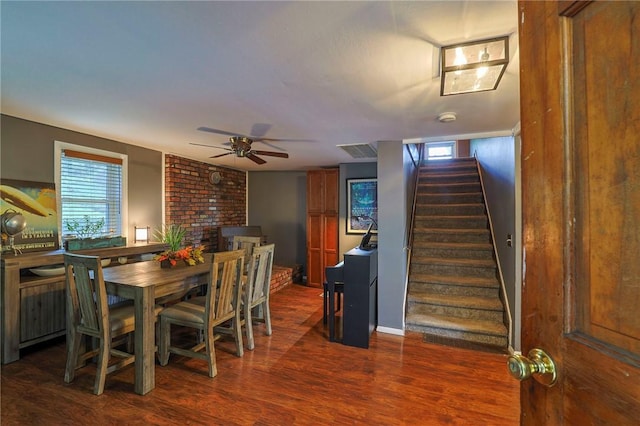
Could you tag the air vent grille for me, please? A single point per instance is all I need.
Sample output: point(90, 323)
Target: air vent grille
point(359, 150)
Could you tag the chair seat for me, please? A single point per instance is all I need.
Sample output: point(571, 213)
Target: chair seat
point(122, 318)
point(191, 310)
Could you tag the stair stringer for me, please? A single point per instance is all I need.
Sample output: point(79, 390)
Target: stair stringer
point(503, 290)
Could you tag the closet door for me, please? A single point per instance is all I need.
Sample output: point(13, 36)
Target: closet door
point(322, 223)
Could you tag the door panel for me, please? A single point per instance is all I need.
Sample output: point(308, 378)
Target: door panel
point(607, 164)
point(580, 120)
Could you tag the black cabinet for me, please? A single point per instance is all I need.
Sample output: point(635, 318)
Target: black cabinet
point(360, 296)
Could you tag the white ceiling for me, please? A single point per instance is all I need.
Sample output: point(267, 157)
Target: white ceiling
point(323, 73)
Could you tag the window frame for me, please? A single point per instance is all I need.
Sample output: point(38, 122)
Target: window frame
point(451, 144)
point(124, 204)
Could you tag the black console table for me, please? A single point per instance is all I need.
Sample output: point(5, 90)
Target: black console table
point(360, 296)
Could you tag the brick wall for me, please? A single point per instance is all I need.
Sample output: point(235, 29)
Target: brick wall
point(199, 206)
point(280, 278)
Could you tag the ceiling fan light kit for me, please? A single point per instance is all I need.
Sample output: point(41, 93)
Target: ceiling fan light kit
point(474, 66)
point(241, 146)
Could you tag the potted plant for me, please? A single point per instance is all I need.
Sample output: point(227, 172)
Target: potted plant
point(85, 235)
point(176, 254)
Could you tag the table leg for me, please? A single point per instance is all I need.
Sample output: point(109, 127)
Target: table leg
point(145, 379)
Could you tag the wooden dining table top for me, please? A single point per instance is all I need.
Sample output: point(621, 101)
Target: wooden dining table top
point(149, 273)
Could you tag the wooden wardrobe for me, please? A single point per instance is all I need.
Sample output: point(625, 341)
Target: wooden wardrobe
point(322, 223)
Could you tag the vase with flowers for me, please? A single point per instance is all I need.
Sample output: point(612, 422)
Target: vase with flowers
point(176, 254)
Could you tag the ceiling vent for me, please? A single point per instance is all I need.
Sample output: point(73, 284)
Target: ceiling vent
point(359, 150)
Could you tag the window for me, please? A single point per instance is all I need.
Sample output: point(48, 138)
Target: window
point(91, 183)
point(440, 150)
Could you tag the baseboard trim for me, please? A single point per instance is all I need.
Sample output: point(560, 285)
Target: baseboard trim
point(389, 330)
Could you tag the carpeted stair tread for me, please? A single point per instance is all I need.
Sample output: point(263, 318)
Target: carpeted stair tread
point(447, 217)
point(445, 194)
point(448, 185)
point(473, 302)
point(488, 327)
point(475, 246)
point(462, 231)
point(444, 206)
point(453, 262)
point(455, 280)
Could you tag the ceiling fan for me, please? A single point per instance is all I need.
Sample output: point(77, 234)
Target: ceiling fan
point(240, 145)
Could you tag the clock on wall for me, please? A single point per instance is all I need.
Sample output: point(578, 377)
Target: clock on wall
point(214, 178)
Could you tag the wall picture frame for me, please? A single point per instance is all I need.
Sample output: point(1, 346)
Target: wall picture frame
point(362, 205)
point(36, 201)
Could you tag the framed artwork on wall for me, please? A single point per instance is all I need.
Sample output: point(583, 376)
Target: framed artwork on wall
point(35, 202)
point(362, 205)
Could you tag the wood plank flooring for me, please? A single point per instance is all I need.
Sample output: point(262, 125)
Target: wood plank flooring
point(296, 376)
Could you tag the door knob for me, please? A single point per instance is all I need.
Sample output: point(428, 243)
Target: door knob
point(538, 364)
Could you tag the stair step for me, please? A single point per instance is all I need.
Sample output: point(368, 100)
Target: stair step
point(450, 209)
point(451, 177)
point(452, 222)
point(472, 330)
point(453, 267)
point(454, 285)
point(460, 235)
point(455, 262)
point(450, 197)
point(453, 250)
point(449, 164)
point(463, 281)
point(460, 306)
point(439, 188)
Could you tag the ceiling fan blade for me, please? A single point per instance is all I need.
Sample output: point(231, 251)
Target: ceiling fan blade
point(209, 146)
point(222, 155)
point(272, 154)
point(220, 132)
point(255, 159)
point(281, 140)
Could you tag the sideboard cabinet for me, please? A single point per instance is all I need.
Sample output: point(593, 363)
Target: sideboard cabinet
point(32, 307)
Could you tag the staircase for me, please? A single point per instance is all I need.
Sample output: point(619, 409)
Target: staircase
point(454, 292)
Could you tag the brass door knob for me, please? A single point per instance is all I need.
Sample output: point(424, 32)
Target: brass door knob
point(538, 365)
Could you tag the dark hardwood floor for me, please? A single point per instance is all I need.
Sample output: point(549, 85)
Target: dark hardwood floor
point(296, 376)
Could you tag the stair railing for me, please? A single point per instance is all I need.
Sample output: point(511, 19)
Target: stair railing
point(495, 252)
point(409, 231)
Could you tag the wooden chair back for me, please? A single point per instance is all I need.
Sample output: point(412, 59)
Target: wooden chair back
point(259, 274)
point(87, 304)
point(225, 284)
point(245, 243)
point(256, 296)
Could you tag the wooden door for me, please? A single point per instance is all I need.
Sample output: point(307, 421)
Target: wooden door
point(322, 223)
point(580, 119)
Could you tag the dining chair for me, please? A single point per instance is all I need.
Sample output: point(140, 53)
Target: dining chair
point(89, 314)
point(203, 313)
point(256, 292)
point(255, 295)
point(247, 244)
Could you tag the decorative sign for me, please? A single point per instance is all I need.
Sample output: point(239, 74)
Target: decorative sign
point(36, 202)
point(362, 205)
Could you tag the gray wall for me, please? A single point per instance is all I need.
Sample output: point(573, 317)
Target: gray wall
point(277, 202)
point(394, 171)
point(497, 161)
point(27, 153)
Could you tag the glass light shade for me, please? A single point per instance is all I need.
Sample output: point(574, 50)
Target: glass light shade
point(141, 234)
point(474, 66)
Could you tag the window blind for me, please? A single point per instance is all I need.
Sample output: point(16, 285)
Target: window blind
point(90, 187)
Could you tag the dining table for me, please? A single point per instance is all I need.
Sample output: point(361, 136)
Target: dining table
point(144, 283)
